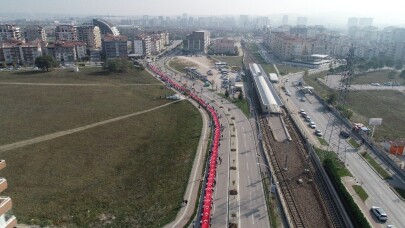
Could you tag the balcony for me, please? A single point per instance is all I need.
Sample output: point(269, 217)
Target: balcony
point(3, 184)
point(5, 204)
point(2, 164)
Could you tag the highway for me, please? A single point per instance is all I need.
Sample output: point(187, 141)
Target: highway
point(380, 194)
point(249, 204)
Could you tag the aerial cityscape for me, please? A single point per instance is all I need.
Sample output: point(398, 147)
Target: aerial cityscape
point(202, 114)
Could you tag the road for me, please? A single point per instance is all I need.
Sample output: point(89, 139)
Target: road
point(249, 204)
point(380, 194)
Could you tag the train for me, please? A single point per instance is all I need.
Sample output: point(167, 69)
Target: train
point(210, 175)
point(269, 101)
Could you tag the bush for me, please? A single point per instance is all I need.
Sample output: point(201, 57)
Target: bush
point(45, 62)
point(119, 65)
point(354, 212)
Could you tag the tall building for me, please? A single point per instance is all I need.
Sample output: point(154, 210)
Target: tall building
point(243, 21)
point(66, 33)
point(9, 32)
point(197, 42)
point(224, 46)
point(141, 46)
point(89, 34)
point(34, 32)
point(115, 46)
point(69, 51)
point(352, 22)
point(365, 22)
point(302, 21)
point(105, 27)
point(6, 219)
point(284, 21)
point(19, 52)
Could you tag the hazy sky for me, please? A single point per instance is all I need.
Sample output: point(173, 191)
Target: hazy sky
point(383, 11)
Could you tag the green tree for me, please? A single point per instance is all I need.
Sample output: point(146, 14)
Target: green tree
point(240, 96)
point(399, 65)
point(331, 99)
point(4, 65)
point(402, 74)
point(391, 74)
point(46, 62)
point(118, 65)
point(306, 73)
point(226, 93)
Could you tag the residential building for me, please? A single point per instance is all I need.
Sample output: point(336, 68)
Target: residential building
point(223, 46)
point(284, 21)
point(115, 46)
point(89, 34)
point(66, 33)
point(197, 42)
point(7, 220)
point(352, 22)
point(142, 46)
point(34, 32)
point(69, 51)
point(302, 21)
point(105, 27)
point(9, 32)
point(365, 22)
point(155, 46)
point(19, 52)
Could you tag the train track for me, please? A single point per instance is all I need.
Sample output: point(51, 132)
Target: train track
point(327, 198)
point(288, 197)
point(322, 197)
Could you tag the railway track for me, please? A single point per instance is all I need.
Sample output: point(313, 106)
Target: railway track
point(288, 197)
point(316, 186)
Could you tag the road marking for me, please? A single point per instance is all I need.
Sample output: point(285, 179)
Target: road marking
point(247, 166)
point(253, 219)
point(249, 180)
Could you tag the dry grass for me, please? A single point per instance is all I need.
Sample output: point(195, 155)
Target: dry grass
point(180, 64)
point(230, 60)
point(131, 173)
point(378, 77)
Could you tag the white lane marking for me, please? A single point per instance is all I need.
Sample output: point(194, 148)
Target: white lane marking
point(247, 166)
point(248, 179)
point(253, 220)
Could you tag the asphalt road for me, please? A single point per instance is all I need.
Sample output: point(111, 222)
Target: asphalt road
point(380, 194)
point(251, 201)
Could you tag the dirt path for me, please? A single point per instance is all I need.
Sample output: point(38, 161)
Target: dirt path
point(73, 84)
point(15, 145)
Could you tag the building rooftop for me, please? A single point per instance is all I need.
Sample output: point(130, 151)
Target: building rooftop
point(115, 38)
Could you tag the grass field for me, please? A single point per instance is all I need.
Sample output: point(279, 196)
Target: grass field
point(378, 77)
point(360, 192)
point(387, 104)
point(86, 75)
point(285, 69)
point(180, 64)
point(323, 141)
point(341, 169)
point(131, 173)
point(31, 111)
point(230, 60)
point(354, 143)
point(377, 167)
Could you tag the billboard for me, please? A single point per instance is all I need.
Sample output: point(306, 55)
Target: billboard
point(375, 121)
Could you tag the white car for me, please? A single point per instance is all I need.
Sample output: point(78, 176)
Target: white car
point(312, 125)
point(318, 133)
point(379, 213)
point(302, 111)
point(375, 84)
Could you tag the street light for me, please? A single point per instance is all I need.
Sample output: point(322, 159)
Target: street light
point(271, 177)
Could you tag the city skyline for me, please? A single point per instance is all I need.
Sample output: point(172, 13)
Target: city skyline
point(315, 10)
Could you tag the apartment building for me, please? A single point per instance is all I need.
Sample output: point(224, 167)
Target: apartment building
point(89, 34)
point(105, 27)
point(34, 32)
point(9, 32)
point(7, 220)
point(66, 33)
point(67, 51)
point(197, 42)
point(19, 52)
point(115, 46)
point(142, 46)
point(223, 46)
point(155, 46)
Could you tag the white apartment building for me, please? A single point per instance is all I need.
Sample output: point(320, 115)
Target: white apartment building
point(223, 46)
point(89, 34)
point(142, 46)
point(9, 32)
point(34, 32)
point(66, 33)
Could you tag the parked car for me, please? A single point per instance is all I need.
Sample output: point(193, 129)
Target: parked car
point(288, 93)
point(375, 84)
point(344, 134)
point(312, 125)
point(308, 119)
point(302, 111)
point(379, 213)
point(302, 99)
point(318, 133)
point(304, 114)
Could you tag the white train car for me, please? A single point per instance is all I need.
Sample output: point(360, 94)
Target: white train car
point(269, 102)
